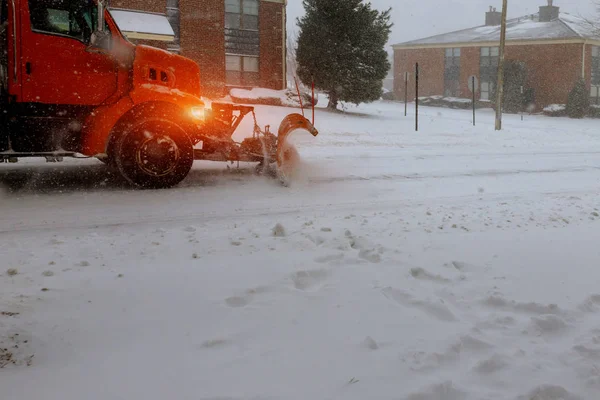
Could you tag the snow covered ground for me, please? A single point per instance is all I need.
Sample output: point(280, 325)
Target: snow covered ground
point(456, 262)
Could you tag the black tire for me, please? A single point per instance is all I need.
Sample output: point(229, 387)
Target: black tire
point(154, 154)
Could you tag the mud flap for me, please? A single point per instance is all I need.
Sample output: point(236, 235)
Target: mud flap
point(287, 156)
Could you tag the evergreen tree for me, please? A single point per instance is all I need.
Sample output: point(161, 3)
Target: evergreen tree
point(341, 48)
point(515, 78)
point(578, 103)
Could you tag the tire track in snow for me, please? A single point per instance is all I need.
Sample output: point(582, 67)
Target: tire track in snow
point(398, 177)
point(338, 208)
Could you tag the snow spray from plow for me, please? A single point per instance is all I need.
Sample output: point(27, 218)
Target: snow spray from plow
point(287, 155)
point(276, 155)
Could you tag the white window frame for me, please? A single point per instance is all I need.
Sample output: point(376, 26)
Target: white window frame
point(452, 57)
point(595, 88)
point(485, 92)
point(240, 9)
point(486, 87)
point(249, 75)
point(595, 94)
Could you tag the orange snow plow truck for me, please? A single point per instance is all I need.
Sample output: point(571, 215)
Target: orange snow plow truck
point(72, 85)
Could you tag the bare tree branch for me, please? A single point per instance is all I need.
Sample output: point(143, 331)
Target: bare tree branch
point(593, 23)
point(292, 64)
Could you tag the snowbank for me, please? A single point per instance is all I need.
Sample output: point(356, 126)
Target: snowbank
point(451, 102)
point(555, 110)
point(560, 110)
point(285, 98)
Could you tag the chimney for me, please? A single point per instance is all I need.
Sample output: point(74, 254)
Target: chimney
point(549, 13)
point(493, 17)
point(174, 17)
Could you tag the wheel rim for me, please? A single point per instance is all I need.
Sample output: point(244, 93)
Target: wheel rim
point(158, 155)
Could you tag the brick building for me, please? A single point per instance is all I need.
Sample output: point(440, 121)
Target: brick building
point(237, 43)
point(555, 50)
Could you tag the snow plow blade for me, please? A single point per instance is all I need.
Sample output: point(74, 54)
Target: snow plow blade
point(287, 155)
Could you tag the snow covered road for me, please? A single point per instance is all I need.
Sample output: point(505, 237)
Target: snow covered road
point(452, 263)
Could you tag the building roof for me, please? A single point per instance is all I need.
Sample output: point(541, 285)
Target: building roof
point(527, 28)
point(143, 25)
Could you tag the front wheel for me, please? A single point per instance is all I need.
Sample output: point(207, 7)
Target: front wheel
point(155, 153)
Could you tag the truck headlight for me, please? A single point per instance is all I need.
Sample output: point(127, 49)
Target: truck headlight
point(198, 113)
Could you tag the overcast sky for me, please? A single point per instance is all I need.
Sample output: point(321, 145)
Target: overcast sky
point(414, 19)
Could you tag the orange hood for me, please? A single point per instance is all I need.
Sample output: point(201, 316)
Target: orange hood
point(159, 67)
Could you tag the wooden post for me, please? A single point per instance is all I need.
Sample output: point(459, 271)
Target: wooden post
point(522, 101)
point(417, 97)
point(500, 83)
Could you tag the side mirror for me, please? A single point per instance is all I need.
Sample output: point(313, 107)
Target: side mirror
point(100, 37)
point(100, 40)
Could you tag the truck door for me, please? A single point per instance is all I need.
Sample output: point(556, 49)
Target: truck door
point(57, 65)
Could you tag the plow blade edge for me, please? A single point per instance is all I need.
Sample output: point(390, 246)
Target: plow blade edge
point(287, 155)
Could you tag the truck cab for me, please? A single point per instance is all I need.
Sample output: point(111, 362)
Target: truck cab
point(71, 83)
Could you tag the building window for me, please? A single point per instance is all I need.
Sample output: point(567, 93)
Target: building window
point(452, 73)
point(242, 42)
point(242, 70)
point(488, 71)
point(241, 14)
point(595, 90)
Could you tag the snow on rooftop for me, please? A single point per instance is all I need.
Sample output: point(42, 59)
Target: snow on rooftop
point(529, 27)
point(582, 27)
point(142, 22)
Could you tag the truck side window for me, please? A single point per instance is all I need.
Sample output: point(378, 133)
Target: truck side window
point(4, 11)
point(64, 17)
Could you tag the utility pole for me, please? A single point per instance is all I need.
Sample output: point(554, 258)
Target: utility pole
point(500, 82)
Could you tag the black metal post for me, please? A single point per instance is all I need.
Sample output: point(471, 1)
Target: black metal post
point(405, 94)
point(417, 97)
point(474, 100)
